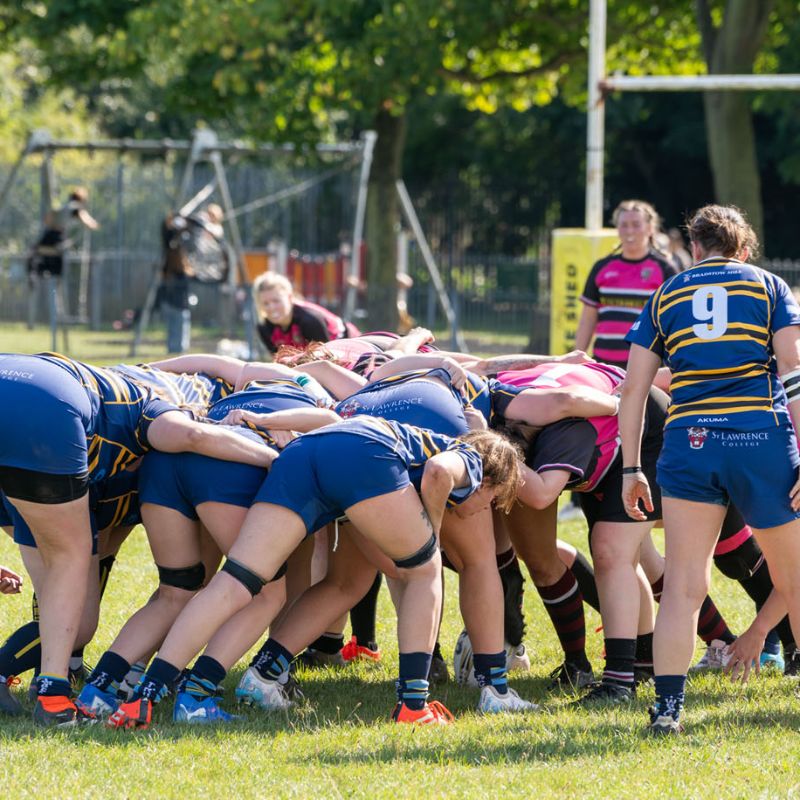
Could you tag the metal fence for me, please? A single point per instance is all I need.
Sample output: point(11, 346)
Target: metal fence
point(500, 295)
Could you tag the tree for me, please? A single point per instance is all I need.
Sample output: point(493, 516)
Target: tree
point(731, 43)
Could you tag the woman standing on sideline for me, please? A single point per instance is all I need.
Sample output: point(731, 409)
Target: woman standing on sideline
point(619, 284)
point(729, 333)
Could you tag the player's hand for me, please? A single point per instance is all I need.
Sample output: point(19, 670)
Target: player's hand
point(745, 655)
point(10, 582)
point(457, 373)
point(238, 416)
point(423, 334)
point(575, 357)
point(282, 438)
point(635, 488)
point(475, 420)
point(794, 496)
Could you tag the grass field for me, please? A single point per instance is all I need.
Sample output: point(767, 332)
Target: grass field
point(741, 742)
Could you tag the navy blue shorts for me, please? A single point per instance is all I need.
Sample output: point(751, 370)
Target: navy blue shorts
point(182, 481)
point(754, 470)
point(319, 477)
point(45, 415)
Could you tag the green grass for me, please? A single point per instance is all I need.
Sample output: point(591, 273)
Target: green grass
point(741, 742)
point(113, 347)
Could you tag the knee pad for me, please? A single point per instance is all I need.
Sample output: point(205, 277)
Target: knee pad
point(422, 556)
point(252, 582)
point(189, 578)
point(741, 563)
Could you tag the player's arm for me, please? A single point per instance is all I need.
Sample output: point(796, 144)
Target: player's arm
point(642, 367)
point(443, 473)
point(301, 420)
point(586, 327)
point(411, 342)
point(458, 375)
point(261, 371)
point(174, 432)
point(541, 489)
point(340, 382)
point(786, 344)
point(517, 361)
point(225, 367)
point(539, 407)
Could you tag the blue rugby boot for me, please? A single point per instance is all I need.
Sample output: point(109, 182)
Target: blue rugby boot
point(192, 711)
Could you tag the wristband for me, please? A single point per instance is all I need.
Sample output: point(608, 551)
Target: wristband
point(631, 470)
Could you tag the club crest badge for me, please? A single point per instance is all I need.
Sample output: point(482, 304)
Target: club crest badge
point(697, 437)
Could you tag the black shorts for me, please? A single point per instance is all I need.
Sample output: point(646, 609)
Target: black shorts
point(42, 487)
point(604, 502)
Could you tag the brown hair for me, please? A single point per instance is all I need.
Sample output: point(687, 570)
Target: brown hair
point(723, 230)
point(500, 464)
point(291, 356)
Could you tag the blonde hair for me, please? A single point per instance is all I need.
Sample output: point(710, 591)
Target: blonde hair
point(267, 282)
point(501, 465)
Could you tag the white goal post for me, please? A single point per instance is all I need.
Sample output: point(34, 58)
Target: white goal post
point(600, 84)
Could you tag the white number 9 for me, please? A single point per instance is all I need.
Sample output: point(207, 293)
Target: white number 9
point(713, 316)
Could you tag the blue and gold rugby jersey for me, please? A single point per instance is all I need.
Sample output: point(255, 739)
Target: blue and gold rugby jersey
point(115, 501)
point(121, 413)
point(196, 392)
point(413, 445)
point(263, 397)
point(712, 326)
point(409, 399)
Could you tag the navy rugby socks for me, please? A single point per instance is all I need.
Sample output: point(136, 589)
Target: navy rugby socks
point(412, 685)
point(490, 670)
point(206, 675)
point(272, 660)
point(670, 695)
point(109, 672)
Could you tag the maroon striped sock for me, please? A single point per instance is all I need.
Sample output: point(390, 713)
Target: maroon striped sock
point(564, 603)
point(658, 588)
point(711, 625)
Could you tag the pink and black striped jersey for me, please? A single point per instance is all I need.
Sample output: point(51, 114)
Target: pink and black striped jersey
point(619, 288)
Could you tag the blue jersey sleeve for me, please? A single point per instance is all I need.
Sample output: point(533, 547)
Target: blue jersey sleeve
point(474, 465)
point(502, 394)
point(152, 408)
point(785, 310)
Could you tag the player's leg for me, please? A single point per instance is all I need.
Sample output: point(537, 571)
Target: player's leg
point(534, 536)
point(470, 543)
point(615, 552)
point(692, 529)
point(412, 544)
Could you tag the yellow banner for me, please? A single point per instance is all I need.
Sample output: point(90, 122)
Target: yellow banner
point(575, 250)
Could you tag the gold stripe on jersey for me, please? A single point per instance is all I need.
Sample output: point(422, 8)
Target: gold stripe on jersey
point(689, 377)
point(428, 444)
point(685, 292)
point(737, 332)
point(718, 407)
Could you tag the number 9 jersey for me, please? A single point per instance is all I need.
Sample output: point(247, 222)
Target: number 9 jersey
point(712, 325)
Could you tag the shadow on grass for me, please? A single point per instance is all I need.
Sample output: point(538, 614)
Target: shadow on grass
point(344, 721)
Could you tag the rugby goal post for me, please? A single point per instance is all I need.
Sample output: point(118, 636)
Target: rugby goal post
point(569, 271)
